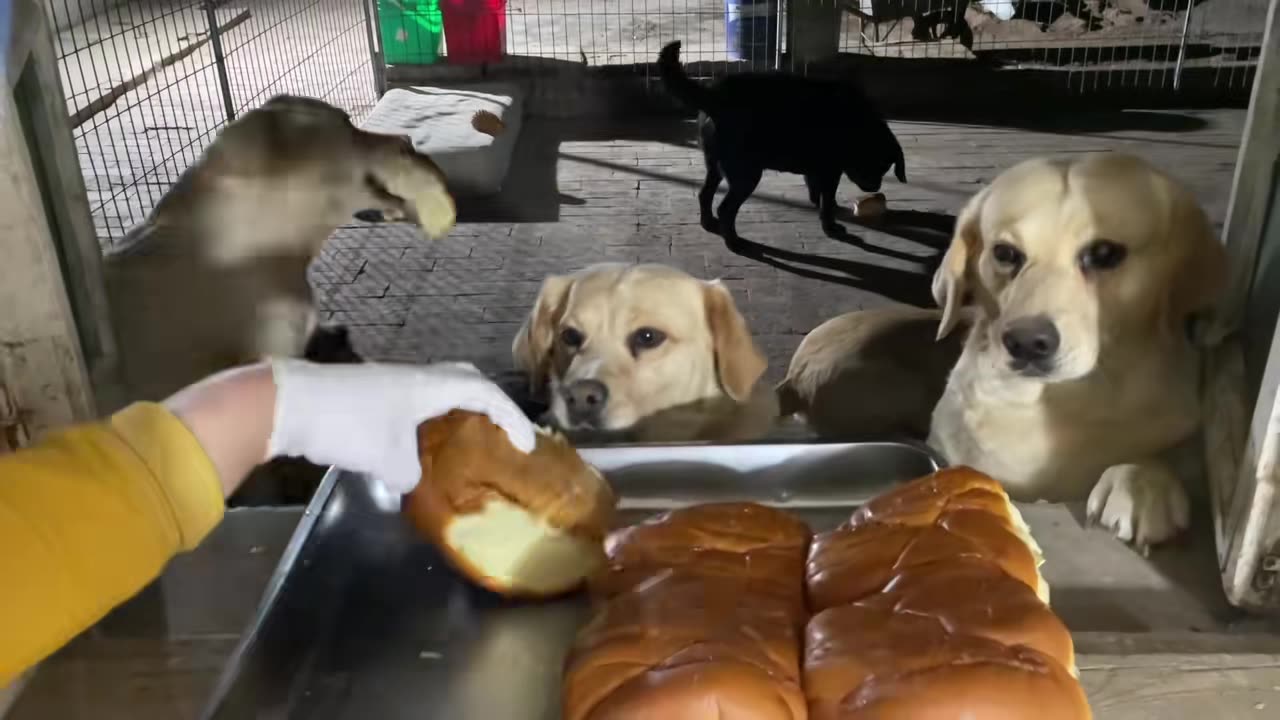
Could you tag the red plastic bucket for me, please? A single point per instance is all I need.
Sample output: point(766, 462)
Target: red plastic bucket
point(475, 31)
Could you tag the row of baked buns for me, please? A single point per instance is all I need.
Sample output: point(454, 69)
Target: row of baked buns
point(927, 603)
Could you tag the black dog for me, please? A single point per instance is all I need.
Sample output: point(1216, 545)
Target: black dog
point(752, 122)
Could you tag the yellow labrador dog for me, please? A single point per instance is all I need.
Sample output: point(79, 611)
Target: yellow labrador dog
point(1073, 282)
point(217, 274)
point(1079, 374)
point(645, 351)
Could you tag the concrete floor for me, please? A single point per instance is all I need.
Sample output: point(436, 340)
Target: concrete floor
point(582, 195)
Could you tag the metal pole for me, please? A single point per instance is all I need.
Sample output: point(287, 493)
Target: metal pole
point(777, 34)
point(220, 60)
point(372, 27)
point(1182, 46)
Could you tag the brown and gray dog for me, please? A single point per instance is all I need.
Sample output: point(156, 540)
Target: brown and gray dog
point(1078, 376)
point(647, 352)
point(217, 274)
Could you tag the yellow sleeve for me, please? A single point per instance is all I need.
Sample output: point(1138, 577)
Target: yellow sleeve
point(88, 518)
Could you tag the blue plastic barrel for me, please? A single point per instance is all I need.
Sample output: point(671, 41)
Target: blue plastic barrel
point(751, 30)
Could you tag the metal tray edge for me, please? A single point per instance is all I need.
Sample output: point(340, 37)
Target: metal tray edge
point(231, 668)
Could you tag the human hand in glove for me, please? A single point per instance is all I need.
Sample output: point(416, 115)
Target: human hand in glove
point(365, 417)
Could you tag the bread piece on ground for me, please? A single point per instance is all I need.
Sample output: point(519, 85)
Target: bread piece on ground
point(871, 206)
point(869, 662)
point(521, 525)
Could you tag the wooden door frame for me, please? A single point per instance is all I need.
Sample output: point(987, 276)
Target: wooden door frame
point(1242, 428)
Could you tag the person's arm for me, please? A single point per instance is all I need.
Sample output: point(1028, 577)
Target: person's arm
point(231, 416)
point(90, 515)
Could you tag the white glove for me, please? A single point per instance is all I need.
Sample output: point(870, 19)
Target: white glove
point(365, 418)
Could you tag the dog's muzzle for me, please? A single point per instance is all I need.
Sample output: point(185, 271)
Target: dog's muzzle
point(584, 402)
point(1032, 344)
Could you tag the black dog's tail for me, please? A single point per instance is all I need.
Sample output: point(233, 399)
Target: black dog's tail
point(679, 84)
point(900, 166)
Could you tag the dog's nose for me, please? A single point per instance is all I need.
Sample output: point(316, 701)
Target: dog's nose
point(1031, 340)
point(585, 400)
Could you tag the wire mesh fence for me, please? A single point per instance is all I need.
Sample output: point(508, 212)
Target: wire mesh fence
point(150, 82)
point(1133, 41)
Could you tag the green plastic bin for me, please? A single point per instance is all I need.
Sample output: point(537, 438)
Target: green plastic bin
point(412, 31)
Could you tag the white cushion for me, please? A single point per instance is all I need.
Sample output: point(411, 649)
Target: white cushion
point(438, 120)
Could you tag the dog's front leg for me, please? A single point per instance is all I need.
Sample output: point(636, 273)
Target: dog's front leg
point(827, 208)
point(741, 185)
point(1143, 503)
point(373, 196)
point(284, 325)
point(706, 195)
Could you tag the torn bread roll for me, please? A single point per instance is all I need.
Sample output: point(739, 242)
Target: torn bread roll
point(700, 615)
point(521, 525)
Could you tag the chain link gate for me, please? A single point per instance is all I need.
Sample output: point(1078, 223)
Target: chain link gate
point(149, 83)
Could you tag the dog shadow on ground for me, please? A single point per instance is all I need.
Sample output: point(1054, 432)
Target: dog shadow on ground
point(931, 230)
point(905, 286)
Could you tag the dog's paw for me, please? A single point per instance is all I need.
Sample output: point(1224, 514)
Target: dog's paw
point(1143, 504)
point(710, 223)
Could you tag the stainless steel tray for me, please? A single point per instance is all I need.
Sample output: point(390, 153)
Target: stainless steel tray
point(364, 621)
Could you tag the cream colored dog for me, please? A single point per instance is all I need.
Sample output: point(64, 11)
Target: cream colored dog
point(217, 275)
point(647, 351)
point(1079, 375)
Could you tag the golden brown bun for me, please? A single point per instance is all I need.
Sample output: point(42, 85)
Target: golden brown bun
point(521, 525)
point(701, 620)
point(953, 513)
point(758, 549)
point(681, 648)
point(921, 502)
point(847, 565)
point(975, 597)
point(729, 526)
point(870, 662)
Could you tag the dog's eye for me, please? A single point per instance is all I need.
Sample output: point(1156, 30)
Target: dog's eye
point(572, 338)
point(1102, 255)
point(645, 339)
point(1008, 255)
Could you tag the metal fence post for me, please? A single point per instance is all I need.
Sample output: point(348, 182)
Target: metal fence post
point(1182, 46)
point(372, 26)
point(219, 59)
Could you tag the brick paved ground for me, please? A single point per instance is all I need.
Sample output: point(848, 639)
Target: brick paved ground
point(580, 195)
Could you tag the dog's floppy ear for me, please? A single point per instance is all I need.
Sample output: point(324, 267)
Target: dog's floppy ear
point(739, 362)
point(531, 349)
point(951, 280)
point(1200, 273)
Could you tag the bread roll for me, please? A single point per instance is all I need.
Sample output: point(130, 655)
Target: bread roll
point(521, 525)
point(700, 618)
point(871, 206)
point(928, 605)
point(870, 661)
point(930, 602)
point(954, 513)
point(680, 647)
point(759, 550)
